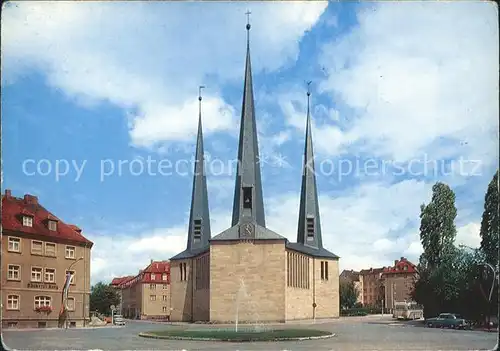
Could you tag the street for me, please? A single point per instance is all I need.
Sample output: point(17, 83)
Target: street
point(352, 333)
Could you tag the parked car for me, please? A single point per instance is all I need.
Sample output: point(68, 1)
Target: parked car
point(447, 320)
point(118, 319)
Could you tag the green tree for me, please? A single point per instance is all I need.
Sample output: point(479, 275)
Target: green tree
point(102, 296)
point(489, 223)
point(348, 294)
point(437, 226)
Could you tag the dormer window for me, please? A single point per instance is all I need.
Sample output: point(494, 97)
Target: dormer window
point(310, 228)
point(27, 221)
point(52, 225)
point(197, 229)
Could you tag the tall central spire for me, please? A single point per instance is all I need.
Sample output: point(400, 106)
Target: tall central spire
point(199, 217)
point(248, 201)
point(309, 231)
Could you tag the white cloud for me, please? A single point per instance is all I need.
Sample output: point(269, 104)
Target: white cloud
point(416, 72)
point(370, 226)
point(150, 59)
point(468, 235)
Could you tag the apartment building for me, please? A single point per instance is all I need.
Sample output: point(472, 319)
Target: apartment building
point(384, 286)
point(399, 281)
point(146, 295)
point(373, 286)
point(38, 250)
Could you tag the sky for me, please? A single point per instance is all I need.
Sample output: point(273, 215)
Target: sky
point(100, 109)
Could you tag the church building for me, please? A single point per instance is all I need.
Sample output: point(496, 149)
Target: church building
point(249, 273)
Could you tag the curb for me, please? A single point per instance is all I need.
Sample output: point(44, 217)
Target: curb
point(152, 336)
point(60, 329)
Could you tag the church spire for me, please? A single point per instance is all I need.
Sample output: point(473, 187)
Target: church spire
point(248, 201)
point(199, 217)
point(309, 231)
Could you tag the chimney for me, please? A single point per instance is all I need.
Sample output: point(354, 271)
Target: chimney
point(8, 193)
point(30, 199)
point(403, 258)
point(396, 262)
point(151, 261)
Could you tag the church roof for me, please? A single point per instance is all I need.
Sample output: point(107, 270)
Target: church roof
point(248, 185)
point(190, 253)
point(311, 251)
point(261, 233)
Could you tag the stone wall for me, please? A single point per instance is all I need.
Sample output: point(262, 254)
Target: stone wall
point(299, 300)
point(181, 290)
point(250, 275)
point(327, 290)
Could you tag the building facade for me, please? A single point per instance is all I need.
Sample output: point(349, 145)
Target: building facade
point(381, 287)
point(399, 281)
point(248, 272)
point(146, 295)
point(373, 287)
point(38, 249)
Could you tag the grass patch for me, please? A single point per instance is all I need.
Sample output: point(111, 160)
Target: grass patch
point(243, 335)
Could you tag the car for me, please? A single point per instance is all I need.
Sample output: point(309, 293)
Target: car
point(447, 320)
point(118, 320)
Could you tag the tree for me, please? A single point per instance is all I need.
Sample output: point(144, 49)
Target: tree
point(437, 226)
point(348, 294)
point(489, 223)
point(102, 296)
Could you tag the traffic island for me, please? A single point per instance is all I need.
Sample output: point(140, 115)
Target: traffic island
point(244, 335)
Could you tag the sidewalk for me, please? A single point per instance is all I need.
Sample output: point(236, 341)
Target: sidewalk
point(69, 329)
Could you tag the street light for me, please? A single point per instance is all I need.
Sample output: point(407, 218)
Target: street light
point(66, 294)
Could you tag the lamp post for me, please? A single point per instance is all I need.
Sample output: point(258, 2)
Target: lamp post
point(66, 293)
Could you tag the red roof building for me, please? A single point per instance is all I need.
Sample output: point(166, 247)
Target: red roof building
point(38, 250)
point(14, 209)
point(147, 294)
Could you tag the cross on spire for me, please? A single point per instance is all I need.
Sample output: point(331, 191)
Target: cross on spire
point(308, 95)
point(199, 91)
point(248, 13)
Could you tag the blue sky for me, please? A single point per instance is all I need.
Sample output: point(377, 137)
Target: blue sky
point(395, 86)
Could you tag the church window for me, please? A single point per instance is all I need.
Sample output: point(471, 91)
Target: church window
point(182, 268)
point(247, 197)
point(324, 270)
point(310, 228)
point(197, 229)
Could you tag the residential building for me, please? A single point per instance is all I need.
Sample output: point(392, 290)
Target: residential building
point(399, 281)
point(248, 267)
point(38, 249)
point(373, 286)
point(357, 279)
point(117, 284)
point(146, 295)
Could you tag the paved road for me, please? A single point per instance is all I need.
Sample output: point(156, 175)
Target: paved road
point(351, 334)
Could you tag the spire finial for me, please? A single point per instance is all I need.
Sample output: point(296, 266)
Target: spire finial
point(248, 13)
point(308, 95)
point(199, 101)
point(199, 91)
